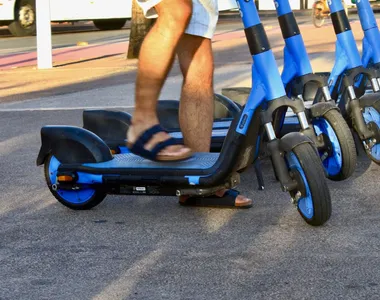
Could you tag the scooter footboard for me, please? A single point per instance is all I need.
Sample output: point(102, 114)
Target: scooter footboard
point(71, 144)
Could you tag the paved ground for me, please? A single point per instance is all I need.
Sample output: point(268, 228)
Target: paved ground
point(151, 248)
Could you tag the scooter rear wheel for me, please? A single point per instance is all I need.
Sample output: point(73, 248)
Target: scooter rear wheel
point(312, 198)
point(339, 156)
point(81, 199)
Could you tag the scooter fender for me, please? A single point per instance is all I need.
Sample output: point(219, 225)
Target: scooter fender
point(321, 108)
point(370, 99)
point(293, 139)
point(71, 144)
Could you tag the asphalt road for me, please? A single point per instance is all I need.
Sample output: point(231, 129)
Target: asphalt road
point(66, 35)
point(152, 248)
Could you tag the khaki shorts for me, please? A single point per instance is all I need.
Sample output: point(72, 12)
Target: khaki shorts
point(203, 20)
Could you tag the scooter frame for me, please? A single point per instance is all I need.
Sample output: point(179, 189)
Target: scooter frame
point(85, 159)
point(346, 71)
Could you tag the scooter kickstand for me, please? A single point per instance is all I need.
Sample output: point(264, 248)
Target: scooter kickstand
point(259, 174)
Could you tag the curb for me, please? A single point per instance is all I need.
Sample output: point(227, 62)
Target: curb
point(234, 14)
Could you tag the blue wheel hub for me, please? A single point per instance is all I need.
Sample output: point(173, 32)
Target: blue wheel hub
point(331, 158)
point(305, 202)
point(74, 197)
point(370, 114)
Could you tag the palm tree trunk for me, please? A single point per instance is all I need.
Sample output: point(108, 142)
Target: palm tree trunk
point(139, 28)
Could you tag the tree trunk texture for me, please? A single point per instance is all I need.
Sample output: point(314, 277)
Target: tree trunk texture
point(140, 26)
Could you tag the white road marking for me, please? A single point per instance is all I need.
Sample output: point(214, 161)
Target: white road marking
point(62, 108)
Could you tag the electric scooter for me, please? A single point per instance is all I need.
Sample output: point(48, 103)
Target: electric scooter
point(80, 169)
point(361, 109)
point(327, 128)
point(358, 103)
point(370, 46)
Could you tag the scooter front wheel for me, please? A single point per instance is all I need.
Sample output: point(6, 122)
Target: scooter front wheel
point(312, 197)
point(339, 154)
point(371, 115)
point(81, 199)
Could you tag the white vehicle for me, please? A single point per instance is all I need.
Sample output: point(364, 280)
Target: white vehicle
point(20, 15)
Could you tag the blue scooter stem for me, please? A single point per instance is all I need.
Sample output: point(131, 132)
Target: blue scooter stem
point(371, 41)
point(366, 16)
point(266, 80)
point(296, 58)
point(347, 55)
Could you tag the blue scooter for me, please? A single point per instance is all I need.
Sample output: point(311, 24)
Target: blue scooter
point(80, 169)
point(348, 81)
point(327, 129)
point(370, 46)
point(359, 107)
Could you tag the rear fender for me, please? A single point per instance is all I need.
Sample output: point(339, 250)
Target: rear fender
point(70, 144)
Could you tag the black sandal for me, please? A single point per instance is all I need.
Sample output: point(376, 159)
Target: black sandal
point(138, 147)
point(226, 201)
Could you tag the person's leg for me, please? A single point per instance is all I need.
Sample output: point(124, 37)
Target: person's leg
point(155, 61)
point(196, 109)
point(197, 98)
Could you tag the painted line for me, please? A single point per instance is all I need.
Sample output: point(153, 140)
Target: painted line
point(63, 108)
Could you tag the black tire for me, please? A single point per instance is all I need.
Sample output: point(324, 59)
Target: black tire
point(346, 142)
point(316, 182)
point(110, 24)
point(317, 15)
point(24, 23)
point(93, 201)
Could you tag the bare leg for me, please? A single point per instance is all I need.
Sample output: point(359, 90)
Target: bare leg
point(197, 99)
point(155, 61)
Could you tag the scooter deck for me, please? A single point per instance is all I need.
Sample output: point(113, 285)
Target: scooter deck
point(128, 162)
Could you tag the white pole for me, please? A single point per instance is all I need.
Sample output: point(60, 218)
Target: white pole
point(44, 48)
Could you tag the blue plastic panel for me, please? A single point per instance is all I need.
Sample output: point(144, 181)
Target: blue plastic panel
point(335, 5)
point(296, 59)
point(215, 133)
point(367, 18)
point(248, 13)
point(282, 7)
point(221, 124)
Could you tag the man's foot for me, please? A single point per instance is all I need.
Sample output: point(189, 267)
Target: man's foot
point(151, 141)
point(223, 198)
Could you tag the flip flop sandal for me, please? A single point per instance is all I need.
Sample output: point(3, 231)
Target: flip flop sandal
point(226, 201)
point(138, 147)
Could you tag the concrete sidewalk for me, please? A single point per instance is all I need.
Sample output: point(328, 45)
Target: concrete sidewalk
point(95, 68)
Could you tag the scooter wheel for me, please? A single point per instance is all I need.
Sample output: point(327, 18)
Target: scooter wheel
point(371, 116)
point(82, 199)
point(339, 155)
point(312, 197)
